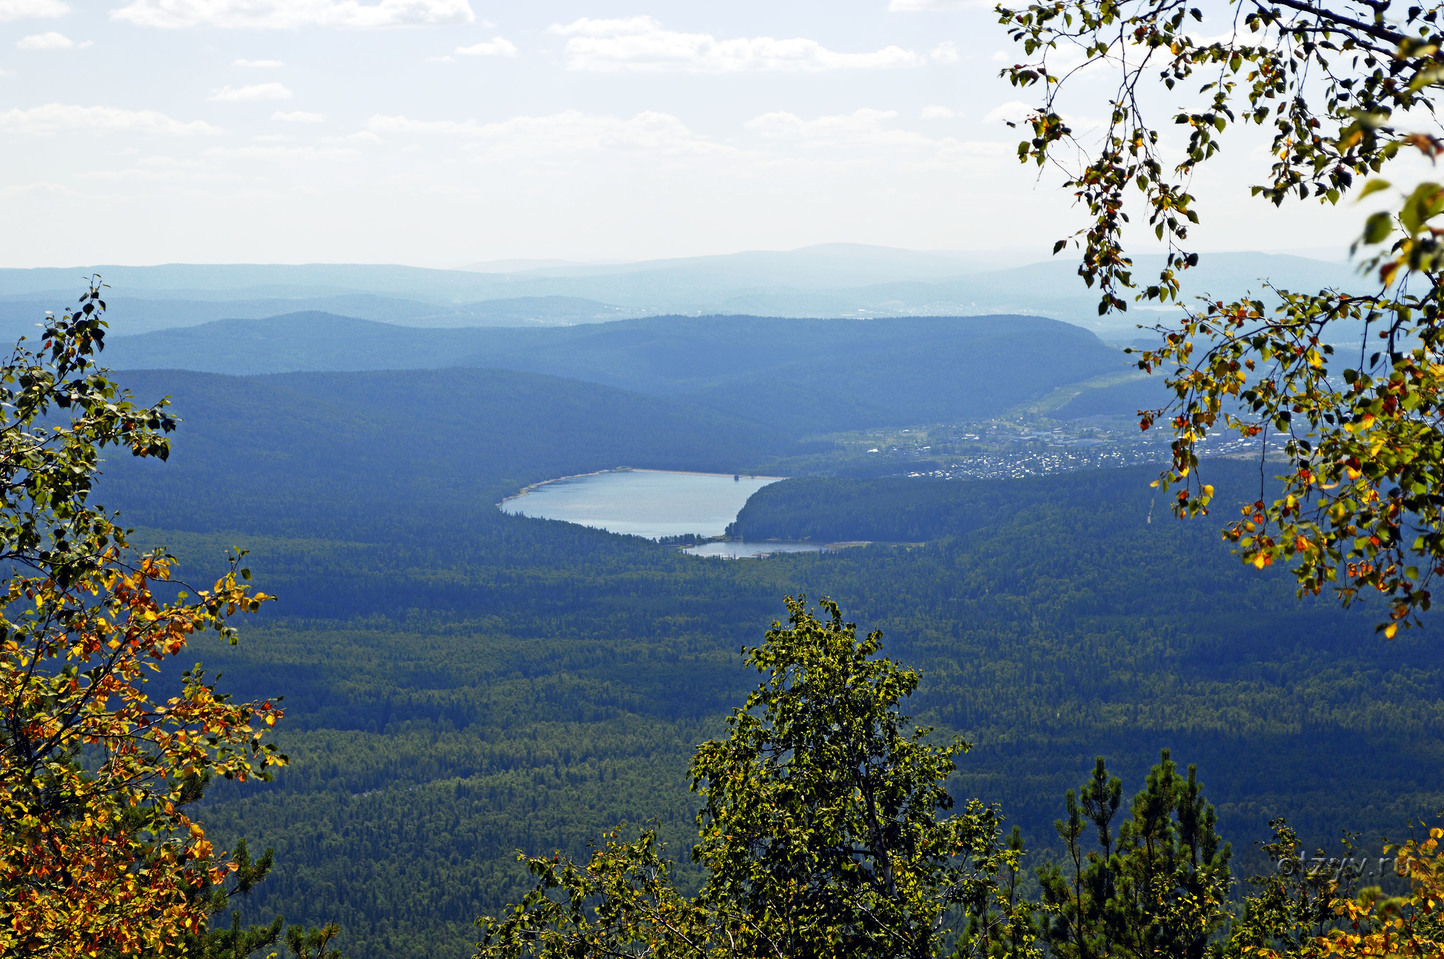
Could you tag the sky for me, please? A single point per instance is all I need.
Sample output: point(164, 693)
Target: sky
point(451, 132)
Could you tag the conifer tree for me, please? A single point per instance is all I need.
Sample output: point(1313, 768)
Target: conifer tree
point(1156, 888)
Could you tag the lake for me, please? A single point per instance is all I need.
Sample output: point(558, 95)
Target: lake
point(654, 504)
point(649, 503)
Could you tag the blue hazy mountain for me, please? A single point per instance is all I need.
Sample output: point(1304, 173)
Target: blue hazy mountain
point(20, 315)
point(828, 280)
point(800, 375)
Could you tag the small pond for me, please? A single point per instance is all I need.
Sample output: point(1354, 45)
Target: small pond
point(654, 504)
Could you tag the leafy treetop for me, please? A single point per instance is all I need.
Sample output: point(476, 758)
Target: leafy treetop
point(1346, 87)
point(97, 851)
point(822, 833)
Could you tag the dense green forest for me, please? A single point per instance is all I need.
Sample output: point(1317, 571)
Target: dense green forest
point(462, 684)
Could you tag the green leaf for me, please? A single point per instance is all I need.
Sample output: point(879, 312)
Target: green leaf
point(1373, 185)
point(1378, 227)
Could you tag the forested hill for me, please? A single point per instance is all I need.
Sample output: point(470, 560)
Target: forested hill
point(827, 509)
point(339, 454)
point(796, 375)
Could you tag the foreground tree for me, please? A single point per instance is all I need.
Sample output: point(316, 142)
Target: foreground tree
point(1347, 87)
point(823, 816)
point(98, 854)
point(823, 832)
point(220, 939)
point(1288, 909)
point(1156, 886)
point(1311, 907)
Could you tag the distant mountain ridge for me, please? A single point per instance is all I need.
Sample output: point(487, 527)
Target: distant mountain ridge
point(799, 375)
point(832, 280)
point(20, 315)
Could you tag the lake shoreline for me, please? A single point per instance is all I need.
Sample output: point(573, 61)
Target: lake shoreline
point(667, 506)
point(532, 487)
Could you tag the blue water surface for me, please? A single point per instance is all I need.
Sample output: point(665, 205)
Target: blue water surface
point(647, 503)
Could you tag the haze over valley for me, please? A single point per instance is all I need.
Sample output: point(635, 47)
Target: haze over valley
point(461, 683)
point(551, 369)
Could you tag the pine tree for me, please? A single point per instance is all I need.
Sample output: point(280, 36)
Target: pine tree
point(1155, 889)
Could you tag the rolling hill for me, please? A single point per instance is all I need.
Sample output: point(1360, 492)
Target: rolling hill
point(831, 280)
point(796, 375)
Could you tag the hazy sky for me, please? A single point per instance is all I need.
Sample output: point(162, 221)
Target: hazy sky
point(445, 132)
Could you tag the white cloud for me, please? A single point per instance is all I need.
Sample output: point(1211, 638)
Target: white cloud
point(873, 133)
point(564, 134)
point(169, 163)
point(135, 175)
point(258, 64)
point(495, 47)
point(1020, 114)
point(62, 117)
point(642, 44)
point(50, 41)
point(264, 151)
point(946, 52)
point(1013, 111)
point(290, 14)
point(910, 6)
point(253, 91)
point(936, 112)
point(155, 169)
point(26, 9)
point(298, 116)
point(865, 127)
point(588, 27)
